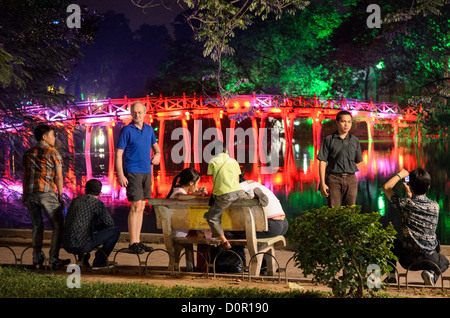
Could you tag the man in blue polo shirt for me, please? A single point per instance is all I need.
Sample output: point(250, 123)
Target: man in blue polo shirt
point(134, 145)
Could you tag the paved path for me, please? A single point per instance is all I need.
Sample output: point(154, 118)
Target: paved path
point(20, 240)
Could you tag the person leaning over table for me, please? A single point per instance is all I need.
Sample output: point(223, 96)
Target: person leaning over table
point(276, 218)
point(226, 190)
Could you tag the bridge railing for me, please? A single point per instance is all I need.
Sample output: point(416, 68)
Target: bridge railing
point(119, 107)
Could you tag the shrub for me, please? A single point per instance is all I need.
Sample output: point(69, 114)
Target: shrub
point(338, 245)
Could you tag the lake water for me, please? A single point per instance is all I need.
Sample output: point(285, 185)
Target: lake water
point(295, 183)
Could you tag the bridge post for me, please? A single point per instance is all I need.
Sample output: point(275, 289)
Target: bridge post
point(162, 164)
point(256, 139)
point(187, 144)
point(317, 127)
point(218, 127)
point(71, 171)
point(111, 150)
point(287, 135)
point(197, 149)
point(7, 172)
point(87, 152)
point(262, 133)
point(370, 130)
point(230, 137)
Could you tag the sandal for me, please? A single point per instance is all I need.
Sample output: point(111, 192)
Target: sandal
point(225, 246)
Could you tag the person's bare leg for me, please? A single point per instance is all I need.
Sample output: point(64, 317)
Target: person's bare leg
point(135, 218)
point(140, 219)
point(222, 238)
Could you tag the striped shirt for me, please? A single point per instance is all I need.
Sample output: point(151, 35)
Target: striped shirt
point(419, 222)
point(39, 164)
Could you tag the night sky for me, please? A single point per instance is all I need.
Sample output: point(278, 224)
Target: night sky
point(154, 16)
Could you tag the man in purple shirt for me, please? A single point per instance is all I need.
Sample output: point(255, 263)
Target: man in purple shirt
point(134, 145)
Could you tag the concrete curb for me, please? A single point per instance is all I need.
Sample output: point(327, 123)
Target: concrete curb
point(26, 234)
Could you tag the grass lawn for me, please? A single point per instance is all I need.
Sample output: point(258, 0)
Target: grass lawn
point(22, 283)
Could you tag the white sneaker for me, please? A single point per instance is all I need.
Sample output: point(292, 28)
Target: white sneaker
point(428, 278)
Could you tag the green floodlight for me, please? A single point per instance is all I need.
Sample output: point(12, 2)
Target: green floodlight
point(380, 65)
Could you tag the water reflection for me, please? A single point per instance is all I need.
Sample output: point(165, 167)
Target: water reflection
point(295, 183)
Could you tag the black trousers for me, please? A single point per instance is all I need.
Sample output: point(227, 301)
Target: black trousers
point(406, 258)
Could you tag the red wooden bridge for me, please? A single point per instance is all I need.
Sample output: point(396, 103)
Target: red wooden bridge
point(103, 112)
point(186, 108)
point(97, 111)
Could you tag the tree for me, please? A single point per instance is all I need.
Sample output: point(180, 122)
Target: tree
point(417, 59)
point(341, 246)
point(104, 67)
point(327, 49)
point(182, 70)
point(274, 56)
point(37, 50)
point(214, 23)
point(119, 61)
point(290, 54)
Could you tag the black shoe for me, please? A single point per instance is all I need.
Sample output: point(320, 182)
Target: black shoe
point(135, 248)
point(104, 265)
point(145, 247)
point(60, 263)
point(85, 259)
point(390, 279)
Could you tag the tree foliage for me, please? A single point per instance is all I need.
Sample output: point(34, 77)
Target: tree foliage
point(215, 22)
point(326, 49)
point(417, 56)
point(338, 245)
point(37, 49)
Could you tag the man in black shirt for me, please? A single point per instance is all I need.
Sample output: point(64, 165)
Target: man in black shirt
point(88, 225)
point(343, 153)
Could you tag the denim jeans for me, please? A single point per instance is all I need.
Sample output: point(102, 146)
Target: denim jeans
point(275, 228)
point(48, 203)
point(107, 238)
